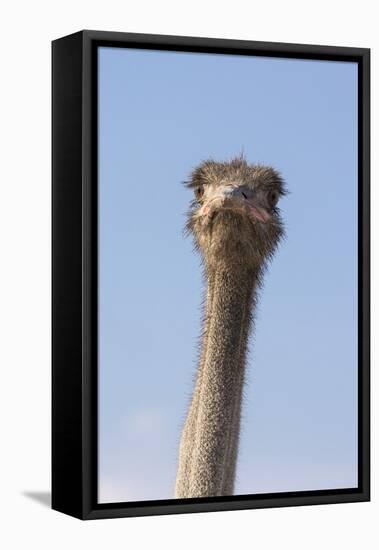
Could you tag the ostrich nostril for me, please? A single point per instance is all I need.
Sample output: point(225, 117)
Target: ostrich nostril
point(244, 194)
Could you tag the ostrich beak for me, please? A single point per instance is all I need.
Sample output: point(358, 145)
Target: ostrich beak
point(260, 214)
point(246, 195)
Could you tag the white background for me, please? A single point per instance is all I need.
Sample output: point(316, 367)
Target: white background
point(27, 29)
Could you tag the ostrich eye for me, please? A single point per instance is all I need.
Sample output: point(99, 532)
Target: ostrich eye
point(273, 198)
point(199, 192)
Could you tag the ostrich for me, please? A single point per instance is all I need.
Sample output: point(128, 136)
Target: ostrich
point(236, 227)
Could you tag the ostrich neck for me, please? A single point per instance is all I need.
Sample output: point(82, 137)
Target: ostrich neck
point(219, 387)
point(189, 428)
point(234, 433)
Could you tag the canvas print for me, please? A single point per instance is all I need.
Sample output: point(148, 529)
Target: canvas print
point(227, 275)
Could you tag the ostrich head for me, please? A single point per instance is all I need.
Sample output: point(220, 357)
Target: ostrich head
point(234, 216)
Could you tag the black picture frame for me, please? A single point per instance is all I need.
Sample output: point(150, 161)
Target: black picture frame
point(74, 274)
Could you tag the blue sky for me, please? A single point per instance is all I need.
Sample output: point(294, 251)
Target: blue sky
point(160, 114)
